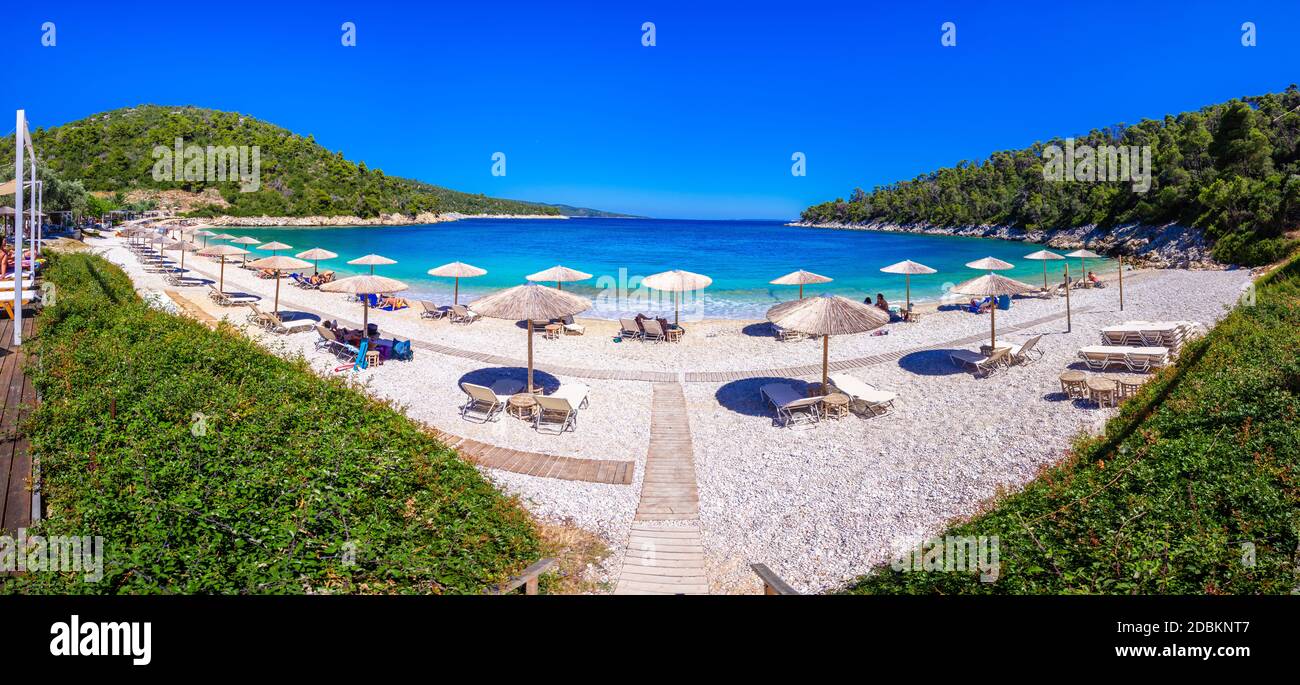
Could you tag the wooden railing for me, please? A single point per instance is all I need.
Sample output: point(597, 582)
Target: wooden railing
point(527, 579)
point(772, 583)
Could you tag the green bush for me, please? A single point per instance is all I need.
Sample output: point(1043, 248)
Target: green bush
point(1199, 467)
point(211, 466)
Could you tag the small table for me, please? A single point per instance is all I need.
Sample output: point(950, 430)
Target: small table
point(1102, 390)
point(552, 331)
point(372, 358)
point(1072, 384)
point(674, 333)
point(835, 405)
point(522, 406)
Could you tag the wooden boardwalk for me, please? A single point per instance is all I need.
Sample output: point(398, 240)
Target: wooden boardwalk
point(664, 551)
point(18, 494)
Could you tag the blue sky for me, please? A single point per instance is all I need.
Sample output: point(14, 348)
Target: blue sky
point(701, 125)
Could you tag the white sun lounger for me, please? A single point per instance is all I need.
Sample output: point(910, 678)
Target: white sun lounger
point(558, 412)
point(1099, 357)
point(982, 365)
point(864, 398)
point(791, 406)
point(484, 403)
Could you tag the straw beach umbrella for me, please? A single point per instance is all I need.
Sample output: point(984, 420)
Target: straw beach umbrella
point(908, 267)
point(372, 260)
point(274, 247)
point(800, 278)
point(222, 251)
point(315, 255)
point(827, 315)
point(456, 270)
point(529, 302)
point(204, 235)
point(278, 264)
point(677, 281)
point(364, 285)
point(993, 285)
point(185, 246)
point(559, 274)
point(223, 236)
point(1044, 256)
point(245, 240)
point(1084, 256)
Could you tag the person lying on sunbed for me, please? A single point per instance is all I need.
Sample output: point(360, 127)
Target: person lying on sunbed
point(389, 302)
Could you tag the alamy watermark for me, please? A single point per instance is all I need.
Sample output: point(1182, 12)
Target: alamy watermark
point(56, 553)
point(953, 554)
point(1122, 163)
point(211, 164)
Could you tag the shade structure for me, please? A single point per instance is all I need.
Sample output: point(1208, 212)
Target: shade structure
point(559, 274)
point(223, 236)
point(245, 240)
point(372, 260)
point(677, 281)
point(222, 251)
point(800, 278)
point(1083, 255)
point(185, 246)
point(365, 285)
point(908, 267)
point(990, 264)
point(827, 315)
point(992, 285)
point(279, 264)
point(274, 246)
point(456, 270)
point(315, 255)
point(529, 302)
point(204, 235)
point(1044, 256)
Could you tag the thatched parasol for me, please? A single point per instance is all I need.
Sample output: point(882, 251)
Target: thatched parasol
point(456, 270)
point(993, 285)
point(990, 264)
point(529, 302)
point(677, 281)
point(908, 267)
point(245, 240)
point(372, 260)
point(1083, 255)
point(827, 315)
point(1044, 256)
point(315, 255)
point(274, 247)
point(364, 285)
point(800, 278)
point(278, 264)
point(222, 251)
point(559, 274)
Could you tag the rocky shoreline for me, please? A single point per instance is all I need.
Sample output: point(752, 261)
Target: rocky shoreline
point(381, 220)
point(1170, 246)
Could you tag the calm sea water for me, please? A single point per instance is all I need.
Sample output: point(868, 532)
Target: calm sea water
point(740, 256)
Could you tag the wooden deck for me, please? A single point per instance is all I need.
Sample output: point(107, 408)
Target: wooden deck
point(17, 398)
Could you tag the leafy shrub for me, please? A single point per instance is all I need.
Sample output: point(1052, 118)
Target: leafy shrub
point(1201, 463)
point(211, 466)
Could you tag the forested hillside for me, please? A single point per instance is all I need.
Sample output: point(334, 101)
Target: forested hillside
point(1231, 169)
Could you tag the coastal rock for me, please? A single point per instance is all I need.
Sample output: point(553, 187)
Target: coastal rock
point(1168, 246)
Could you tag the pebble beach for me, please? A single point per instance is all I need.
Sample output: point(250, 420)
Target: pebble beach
point(820, 505)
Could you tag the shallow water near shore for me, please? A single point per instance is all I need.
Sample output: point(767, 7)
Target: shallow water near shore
point(740, 256)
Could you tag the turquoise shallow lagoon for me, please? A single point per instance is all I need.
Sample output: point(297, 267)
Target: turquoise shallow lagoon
point(740, 256)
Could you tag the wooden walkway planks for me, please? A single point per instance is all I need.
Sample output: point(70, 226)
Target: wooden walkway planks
point(664, 552)
point(18, 397)
point(542, 465)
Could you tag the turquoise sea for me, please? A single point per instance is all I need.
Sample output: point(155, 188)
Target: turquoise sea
point(740, 256)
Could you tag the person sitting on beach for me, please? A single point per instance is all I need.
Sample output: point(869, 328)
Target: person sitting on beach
point(390, 302)
point(881, 303)
point(1092, 278)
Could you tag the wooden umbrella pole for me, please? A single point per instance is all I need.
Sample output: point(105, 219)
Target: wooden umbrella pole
point(277, 292)
point(677, 308)
point(530, 356)
point(993, 327)
point(365, 316)
point(826, 355)
point(801, 291)
point(1044, 274)
point(907, 279)
point(1121, 283)
point(455, 295)
point(1068, 325)
point(222, 285)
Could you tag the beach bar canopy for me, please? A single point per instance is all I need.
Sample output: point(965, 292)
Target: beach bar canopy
point(993, 285)
point(279, 264)
point(529, 302)
point(908, 267)
point(456, 270)
point(800, 278)
point(364, 285)
point(559, 274)
point(222, 251)
point(372, 260)
point(1044, 256)
point(315, 255)
point(677, 281)
point(827, 315)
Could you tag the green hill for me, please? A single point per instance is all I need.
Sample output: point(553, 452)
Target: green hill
point(114, 151)
point(1231, 169)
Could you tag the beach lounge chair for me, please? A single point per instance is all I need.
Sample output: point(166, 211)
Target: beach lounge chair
point(332, 343)
point(980, 307)
point(259, 318)
point(628, 328)
point(785, 334)
point(981, 365)
point(571, 327)
point(429, 310)
point(302, 281)
point(462, 314)
point(864, 398)
point(653, 330)
point(483, 403)
point(791, 407)
point(1025, 353)
point(1136, 359)
point(558, 412)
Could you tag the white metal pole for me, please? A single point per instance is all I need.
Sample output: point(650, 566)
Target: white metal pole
point(19, 127)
